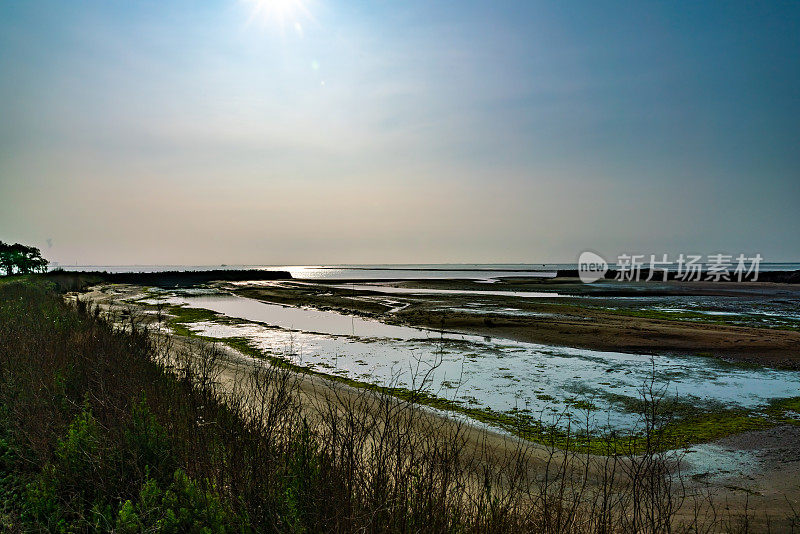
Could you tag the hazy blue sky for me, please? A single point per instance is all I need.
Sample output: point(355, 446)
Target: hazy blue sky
point(413, 131)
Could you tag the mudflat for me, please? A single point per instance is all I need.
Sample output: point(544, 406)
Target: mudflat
point(744, 322)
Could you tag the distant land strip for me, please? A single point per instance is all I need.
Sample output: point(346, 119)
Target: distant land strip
point(173, 278)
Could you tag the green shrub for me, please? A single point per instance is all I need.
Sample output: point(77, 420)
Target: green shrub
point(10, 483)
point(147, 443)
point(303, 478)
point(66, 495)
point(183, 508)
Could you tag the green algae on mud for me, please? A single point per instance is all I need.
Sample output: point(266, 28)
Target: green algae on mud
point(785, 410)
point(184, 315)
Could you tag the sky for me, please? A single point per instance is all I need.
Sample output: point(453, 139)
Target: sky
point(297, 132)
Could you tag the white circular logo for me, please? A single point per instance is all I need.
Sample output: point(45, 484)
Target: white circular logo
point(591, 267)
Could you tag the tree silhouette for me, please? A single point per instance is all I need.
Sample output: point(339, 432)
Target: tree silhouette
point(21, 258)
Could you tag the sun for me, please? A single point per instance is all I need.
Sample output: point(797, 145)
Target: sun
point(280, 13)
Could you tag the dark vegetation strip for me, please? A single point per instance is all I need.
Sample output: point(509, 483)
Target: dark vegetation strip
point(78, 280)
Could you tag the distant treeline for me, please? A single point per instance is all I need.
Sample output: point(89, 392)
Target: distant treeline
point(779, 277)
point(69, 279)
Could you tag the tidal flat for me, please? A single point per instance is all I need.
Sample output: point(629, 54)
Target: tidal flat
point(365, 333)
point(754, 323)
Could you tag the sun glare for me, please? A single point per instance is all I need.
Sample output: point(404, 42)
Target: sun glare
point(280, 13)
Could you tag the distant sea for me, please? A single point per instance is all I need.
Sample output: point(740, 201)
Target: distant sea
point(398, 271)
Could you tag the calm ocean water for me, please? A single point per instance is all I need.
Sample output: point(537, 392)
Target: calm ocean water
point(467, 271)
